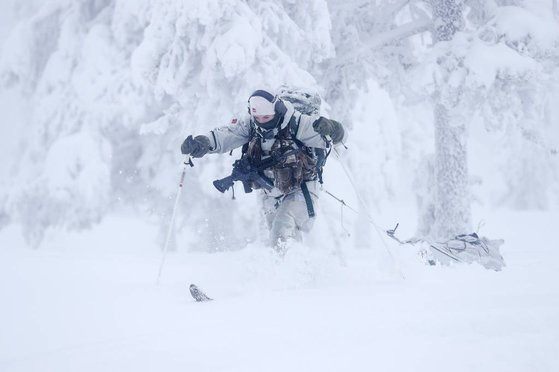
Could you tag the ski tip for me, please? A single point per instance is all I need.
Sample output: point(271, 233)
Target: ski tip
point(198, 294)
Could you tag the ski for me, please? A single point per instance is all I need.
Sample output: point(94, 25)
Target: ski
point(448, 254)
point(198, 294)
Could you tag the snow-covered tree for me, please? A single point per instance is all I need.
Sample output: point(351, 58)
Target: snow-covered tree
point(103, 92)
point(113, 87)
point(517, 85)
point(496, 67)
point(363, 85)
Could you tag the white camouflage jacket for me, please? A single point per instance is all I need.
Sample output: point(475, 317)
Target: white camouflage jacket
point(236, 134)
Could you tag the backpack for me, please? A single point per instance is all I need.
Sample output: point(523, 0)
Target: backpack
point(304, 100)
point(307, 102)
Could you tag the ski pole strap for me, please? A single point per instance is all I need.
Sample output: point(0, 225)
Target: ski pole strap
point(308, 199)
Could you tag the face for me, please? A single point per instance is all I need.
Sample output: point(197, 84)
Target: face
point(263, 119)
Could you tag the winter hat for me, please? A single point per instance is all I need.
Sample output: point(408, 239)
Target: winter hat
point(262, 102)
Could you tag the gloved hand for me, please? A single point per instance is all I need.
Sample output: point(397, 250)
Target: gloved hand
point(323, 126)
point(330, 128)
point(197, 146)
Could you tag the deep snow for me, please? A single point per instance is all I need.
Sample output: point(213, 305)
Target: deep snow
point(89, 302)
point(96, 97)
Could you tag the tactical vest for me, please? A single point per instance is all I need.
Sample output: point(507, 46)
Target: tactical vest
point(293, 170)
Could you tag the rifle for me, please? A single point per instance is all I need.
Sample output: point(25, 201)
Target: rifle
point(249, 172)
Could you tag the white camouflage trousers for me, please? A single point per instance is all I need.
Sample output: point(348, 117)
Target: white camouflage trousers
point(288, 216)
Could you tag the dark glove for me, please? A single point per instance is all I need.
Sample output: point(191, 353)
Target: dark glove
point(197, 146)
point(330, 128)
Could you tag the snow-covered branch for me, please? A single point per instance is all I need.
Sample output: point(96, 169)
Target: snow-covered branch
point(389, 11)
point(392, 36)
point(402, 32)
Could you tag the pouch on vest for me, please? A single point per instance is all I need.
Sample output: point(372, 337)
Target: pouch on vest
point(288, 174)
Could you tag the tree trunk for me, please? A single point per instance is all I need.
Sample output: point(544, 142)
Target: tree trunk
point(452, 204)
point(447, 19)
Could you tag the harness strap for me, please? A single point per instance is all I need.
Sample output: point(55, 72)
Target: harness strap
point(306, 195)
point(308, 199)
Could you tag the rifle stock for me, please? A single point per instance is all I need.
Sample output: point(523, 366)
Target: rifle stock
point(223, 184)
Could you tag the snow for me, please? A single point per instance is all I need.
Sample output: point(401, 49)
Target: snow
point(70, 172)
point(523, 26)
point(89, 302)
point(96, 97)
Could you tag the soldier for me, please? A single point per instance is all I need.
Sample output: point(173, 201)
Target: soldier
point(275, 129)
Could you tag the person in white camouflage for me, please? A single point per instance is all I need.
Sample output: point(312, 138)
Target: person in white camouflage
point(274, 128)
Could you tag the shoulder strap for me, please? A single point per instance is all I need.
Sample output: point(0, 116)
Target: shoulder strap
point(294, 125)
point(294, 129)
point(251, 136)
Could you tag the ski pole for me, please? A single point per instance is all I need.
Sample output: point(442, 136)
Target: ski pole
point(187, 162)
point(364, 206)
point(341, 201)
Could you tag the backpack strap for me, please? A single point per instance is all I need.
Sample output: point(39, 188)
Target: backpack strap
point(294, 129)
point(250, 137)
point(321, 154)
